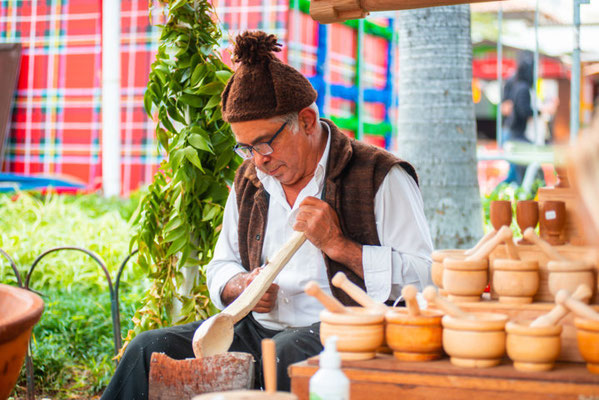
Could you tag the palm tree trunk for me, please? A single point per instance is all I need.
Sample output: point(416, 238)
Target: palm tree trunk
point(437, 128)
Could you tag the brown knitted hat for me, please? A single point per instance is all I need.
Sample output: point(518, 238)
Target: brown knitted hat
point(262, 86)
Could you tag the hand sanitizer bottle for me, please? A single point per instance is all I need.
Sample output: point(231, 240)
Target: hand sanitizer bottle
point(329, 382)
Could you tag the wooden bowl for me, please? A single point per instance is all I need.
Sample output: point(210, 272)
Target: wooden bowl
point(515, 281)
point(438, 257)
point(414, 338)
point(587, 335)
point(20, 310)
point(465, 280)
point(569, 275)
point(533, 348)
point(359, 333)
point(475, 343)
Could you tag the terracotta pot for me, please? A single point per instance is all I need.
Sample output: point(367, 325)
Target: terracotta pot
point(360, 332)
point(475, 343)
point(246, 395)
point(553, 219)
point(527, 216)
point(501, 213)
point(20, 310)
point(568, 275)
point(414, 338)
point(465, 280)
point(587, 335)
point(438, 257)
point(515, 281)
point(533, 348)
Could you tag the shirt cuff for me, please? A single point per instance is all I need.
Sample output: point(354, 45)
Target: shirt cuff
point(218, 282)
point(377, 266)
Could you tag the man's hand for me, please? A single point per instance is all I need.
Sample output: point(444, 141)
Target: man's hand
point(240, 282)
point(320, 223)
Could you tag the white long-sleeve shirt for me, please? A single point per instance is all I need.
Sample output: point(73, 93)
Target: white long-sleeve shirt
point(402, 258)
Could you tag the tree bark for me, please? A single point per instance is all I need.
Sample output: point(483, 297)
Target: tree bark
point(437, 127)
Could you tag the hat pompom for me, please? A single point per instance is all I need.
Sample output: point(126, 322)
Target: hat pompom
point(255, 47)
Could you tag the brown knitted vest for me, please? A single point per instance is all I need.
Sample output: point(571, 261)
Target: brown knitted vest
point(354, 172)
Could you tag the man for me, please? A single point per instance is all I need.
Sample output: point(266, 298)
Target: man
point(359, 207)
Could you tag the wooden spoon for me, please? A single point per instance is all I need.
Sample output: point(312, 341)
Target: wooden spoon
point(530, 235)
point(431, 295)
point(577, 307)
point(329, 302)
point(269, 364)
point(341, 281)
point(503, 234)
point(409, 295)
point(215, 335)
point(558, 312)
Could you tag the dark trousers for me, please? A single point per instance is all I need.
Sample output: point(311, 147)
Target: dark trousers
point(130, 380)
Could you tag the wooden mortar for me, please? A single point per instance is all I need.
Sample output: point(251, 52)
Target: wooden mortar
point(463, 280)
point(587, 336)
point(439, 257)
point(360, 331)
point(569, 275)
point(477, 342)
point(414, 338)
point(533, 348)
point(515, 281)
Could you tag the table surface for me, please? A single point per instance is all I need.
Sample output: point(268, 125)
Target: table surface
point(387, 377)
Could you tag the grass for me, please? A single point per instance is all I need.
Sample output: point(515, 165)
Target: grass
point(73, 342)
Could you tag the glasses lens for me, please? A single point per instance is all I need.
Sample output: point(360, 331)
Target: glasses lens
point(244, 152)
point(263, 149)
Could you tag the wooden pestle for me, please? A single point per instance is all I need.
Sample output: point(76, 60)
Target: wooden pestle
point(431, 295)
point(579, 308)
point(503, 234)
point(530, 235)
point(329, 302)
point(269, 365)
point(558, 312)
point(478, 245)
point(341, 281)
point(409, 295)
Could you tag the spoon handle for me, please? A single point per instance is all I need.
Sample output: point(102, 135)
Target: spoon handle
point(558, 312)
point(269, 365)
point(409, 295)
point(431, 295)
point(502, 235)
point(484, 240)
point(579, 308)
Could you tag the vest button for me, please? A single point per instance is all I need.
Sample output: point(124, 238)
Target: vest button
point(257, 237)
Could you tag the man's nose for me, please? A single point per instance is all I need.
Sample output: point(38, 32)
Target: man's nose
point(259, 159)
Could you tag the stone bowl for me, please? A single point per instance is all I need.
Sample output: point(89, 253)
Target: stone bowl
point(533, 348)
point(515, 281)
point(465, 281)
point(475, 343)
point(360, 332)
point(414, 338)
point(587, 336)
point(569, 275)
point(438, 257)
point(20, 310)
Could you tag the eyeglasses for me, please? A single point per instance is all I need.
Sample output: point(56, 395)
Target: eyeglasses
point(246, 151)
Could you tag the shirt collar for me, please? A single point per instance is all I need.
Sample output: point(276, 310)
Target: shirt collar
point(270, 183)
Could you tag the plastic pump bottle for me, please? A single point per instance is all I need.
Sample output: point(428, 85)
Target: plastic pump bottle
point(329, 382)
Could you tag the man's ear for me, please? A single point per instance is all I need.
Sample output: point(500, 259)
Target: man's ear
point(307, 120)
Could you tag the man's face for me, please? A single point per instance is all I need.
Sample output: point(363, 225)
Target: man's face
point(287, 162)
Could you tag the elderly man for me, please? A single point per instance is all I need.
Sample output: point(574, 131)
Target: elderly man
point(358, 205)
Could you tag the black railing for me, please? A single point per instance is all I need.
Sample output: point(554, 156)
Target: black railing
point(114, 300)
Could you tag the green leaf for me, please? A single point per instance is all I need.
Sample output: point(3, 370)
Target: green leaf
point(192, 156)
point(223, 76)
point(198, 74)
point(173, 224)
point(190, 99)
point(176, 233)
point(200, 142)
point(211, 88)
point(213, 102)
point(162, 137)
point(223, 159)
point(210, 211)
point(177, 245)
point(148, 103)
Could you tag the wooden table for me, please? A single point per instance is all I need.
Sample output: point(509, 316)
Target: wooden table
point(386, 378)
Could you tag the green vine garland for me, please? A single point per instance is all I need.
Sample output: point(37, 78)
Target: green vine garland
point(180, 218)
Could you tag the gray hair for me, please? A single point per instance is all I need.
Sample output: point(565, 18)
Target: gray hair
point(293, 118)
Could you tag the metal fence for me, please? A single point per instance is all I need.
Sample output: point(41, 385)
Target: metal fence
point(114, 299)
